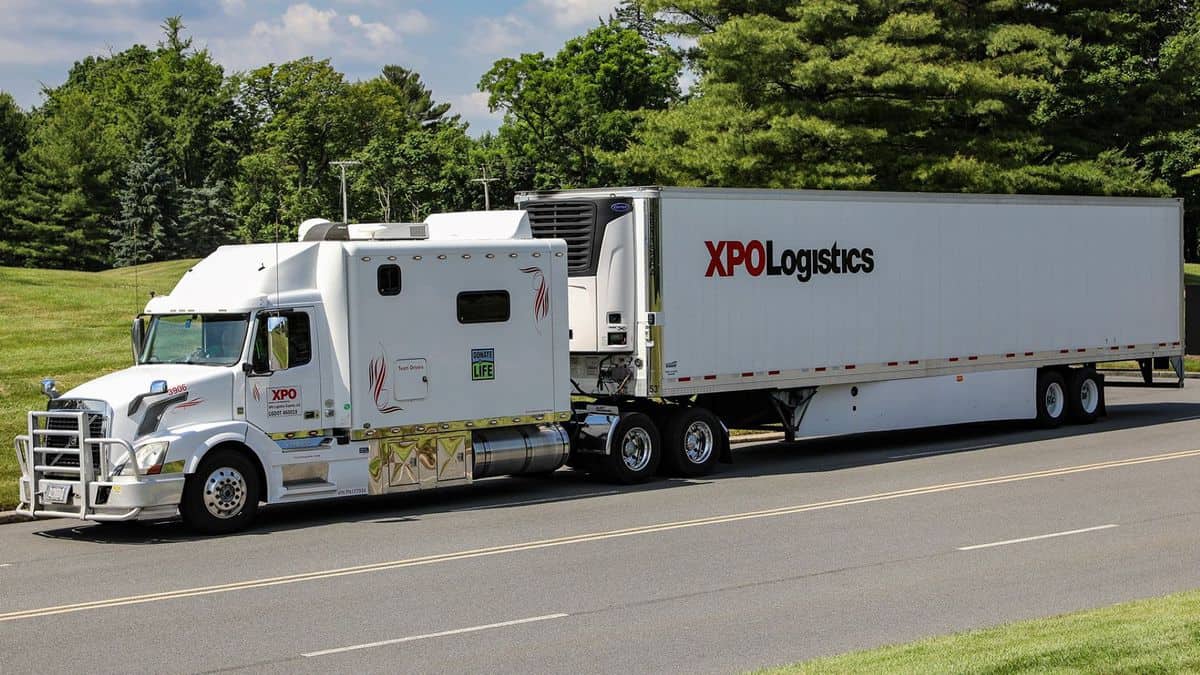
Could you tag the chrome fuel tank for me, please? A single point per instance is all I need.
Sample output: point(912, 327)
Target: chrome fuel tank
point(516, 450)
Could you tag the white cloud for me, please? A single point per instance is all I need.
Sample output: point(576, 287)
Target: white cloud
point(569, 13)
point(376, 33)
point(233, 6)
point(474, 109)
point(499, 35)
point(472, 105)
point(413, 22)
point(301, 25)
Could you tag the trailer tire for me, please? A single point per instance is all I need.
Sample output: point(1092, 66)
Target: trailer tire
point(636, 450)
point(222, 495)
point(1084, 395)
point(692, 442)
point(1051, 399)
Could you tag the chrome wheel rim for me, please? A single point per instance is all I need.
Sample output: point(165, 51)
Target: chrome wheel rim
point(635, 449)
point(225, 493)
point(698, 443)
point(1089, 396)
point(1053, 400)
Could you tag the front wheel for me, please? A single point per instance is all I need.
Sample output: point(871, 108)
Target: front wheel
point(222, 496)
point(636, 449)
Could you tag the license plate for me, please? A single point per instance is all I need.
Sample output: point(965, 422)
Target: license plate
point(58, 494)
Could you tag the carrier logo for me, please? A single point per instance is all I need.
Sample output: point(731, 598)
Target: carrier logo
point(804, 263)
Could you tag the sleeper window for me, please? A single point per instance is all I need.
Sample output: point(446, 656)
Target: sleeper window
point(388, 279)
point(483, 307)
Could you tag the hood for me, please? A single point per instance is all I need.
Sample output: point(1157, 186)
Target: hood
point(208, 389)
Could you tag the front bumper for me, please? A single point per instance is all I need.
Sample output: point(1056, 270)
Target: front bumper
point(149, 497)
point(92, 494)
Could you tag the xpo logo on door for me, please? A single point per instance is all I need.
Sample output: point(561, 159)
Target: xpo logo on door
point(283, 401)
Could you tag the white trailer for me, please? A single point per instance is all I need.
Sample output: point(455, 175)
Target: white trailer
point(374, 359)
point(842, 312)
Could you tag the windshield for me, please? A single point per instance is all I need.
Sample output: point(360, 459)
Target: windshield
point(207, 339)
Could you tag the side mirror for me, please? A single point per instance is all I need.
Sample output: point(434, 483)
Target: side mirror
point(277, 342)
point(137, 337)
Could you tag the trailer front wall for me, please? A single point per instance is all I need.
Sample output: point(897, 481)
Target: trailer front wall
point(949, 281)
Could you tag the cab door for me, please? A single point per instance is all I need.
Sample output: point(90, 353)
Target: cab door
point(283, 385)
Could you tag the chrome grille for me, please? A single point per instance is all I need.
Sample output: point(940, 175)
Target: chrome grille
point(95, 429)
point(574, 221)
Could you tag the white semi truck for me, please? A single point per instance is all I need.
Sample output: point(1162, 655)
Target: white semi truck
point(621, 331)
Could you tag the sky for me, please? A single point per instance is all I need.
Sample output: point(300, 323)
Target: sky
point(451, 43)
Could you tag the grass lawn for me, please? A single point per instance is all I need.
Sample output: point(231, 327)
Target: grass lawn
point(1191, 273)
point(71, 326)
point(1191, 364)
point(1161, 635)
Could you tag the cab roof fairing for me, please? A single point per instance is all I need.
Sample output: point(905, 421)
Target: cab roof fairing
point(245, 278)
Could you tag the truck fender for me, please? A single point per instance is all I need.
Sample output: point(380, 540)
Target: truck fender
point(194, 442)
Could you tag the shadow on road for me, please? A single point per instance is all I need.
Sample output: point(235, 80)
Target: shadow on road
point(772, 458)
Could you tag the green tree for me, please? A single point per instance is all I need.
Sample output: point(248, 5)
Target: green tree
point(427, 171)
point(65, 199)
point(562, 112)
point(14, 140)
point(924, 95)
point(147, 227)
point(206, 220)
point(300, 116)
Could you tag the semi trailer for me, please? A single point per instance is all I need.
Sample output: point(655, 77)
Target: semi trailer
point(621, 331)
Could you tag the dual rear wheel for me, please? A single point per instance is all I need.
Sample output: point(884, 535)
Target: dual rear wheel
point(1073, 395)
point(689, 444)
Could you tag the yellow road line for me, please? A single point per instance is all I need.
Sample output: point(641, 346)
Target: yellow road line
point(589, 537)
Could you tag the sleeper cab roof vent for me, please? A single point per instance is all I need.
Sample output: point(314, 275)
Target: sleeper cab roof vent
point(318, 229)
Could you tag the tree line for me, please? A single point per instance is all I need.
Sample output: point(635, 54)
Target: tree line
point(156, 152)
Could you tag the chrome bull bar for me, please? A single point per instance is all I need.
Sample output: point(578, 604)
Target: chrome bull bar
point(34, 458)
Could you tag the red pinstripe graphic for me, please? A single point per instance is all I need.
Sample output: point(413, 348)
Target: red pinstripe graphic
point(377, 376)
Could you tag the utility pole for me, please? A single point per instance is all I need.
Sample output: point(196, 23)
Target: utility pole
point(487, 198)
point(342, 164)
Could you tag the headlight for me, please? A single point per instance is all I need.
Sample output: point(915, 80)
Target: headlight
point(149, 458)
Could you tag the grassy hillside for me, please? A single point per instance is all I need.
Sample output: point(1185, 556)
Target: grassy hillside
point(71, 326)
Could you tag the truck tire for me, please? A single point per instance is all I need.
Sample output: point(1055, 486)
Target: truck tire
point(222, 496)
point(1051, 399)
point(636, 450)
point(1084, 395)
point(692, 442)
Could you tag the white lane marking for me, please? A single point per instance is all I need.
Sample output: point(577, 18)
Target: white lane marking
point(413, 638)
point(1040, 536)
point(565, 498)
point(943, 452)
point(589, 537)
point(5, 564)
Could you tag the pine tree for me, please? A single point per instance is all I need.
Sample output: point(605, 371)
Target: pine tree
point(60, 214)
point(14, 140)
point(922, 95)
point(146, 230)
point(206, 220)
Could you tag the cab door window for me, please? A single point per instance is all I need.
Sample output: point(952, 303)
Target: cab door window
point(282, 340)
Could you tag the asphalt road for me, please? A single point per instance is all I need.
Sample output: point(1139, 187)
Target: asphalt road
point(792, 552)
